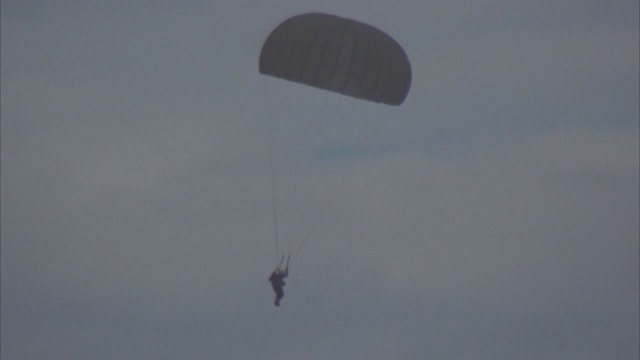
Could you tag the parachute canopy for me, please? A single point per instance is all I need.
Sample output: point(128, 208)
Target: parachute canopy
point(340, 55)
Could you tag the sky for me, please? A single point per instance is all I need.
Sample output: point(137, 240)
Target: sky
point(146, 165)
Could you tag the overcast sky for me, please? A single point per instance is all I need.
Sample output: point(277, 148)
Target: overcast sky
point(493, 215)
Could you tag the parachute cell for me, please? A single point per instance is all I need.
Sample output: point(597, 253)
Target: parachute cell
point(339, 55)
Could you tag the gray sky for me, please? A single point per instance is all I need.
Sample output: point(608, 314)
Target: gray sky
point(494, 215)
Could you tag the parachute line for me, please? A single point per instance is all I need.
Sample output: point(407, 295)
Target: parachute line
point(274, 189)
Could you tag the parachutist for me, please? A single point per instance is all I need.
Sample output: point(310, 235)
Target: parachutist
point(277, 282)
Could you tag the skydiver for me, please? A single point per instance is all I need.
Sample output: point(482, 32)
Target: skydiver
point(277, 283)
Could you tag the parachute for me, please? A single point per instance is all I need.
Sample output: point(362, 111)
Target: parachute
point(339, 55)
point(342, 56)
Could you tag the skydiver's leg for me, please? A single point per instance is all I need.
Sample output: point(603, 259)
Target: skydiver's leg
point(279, 295)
